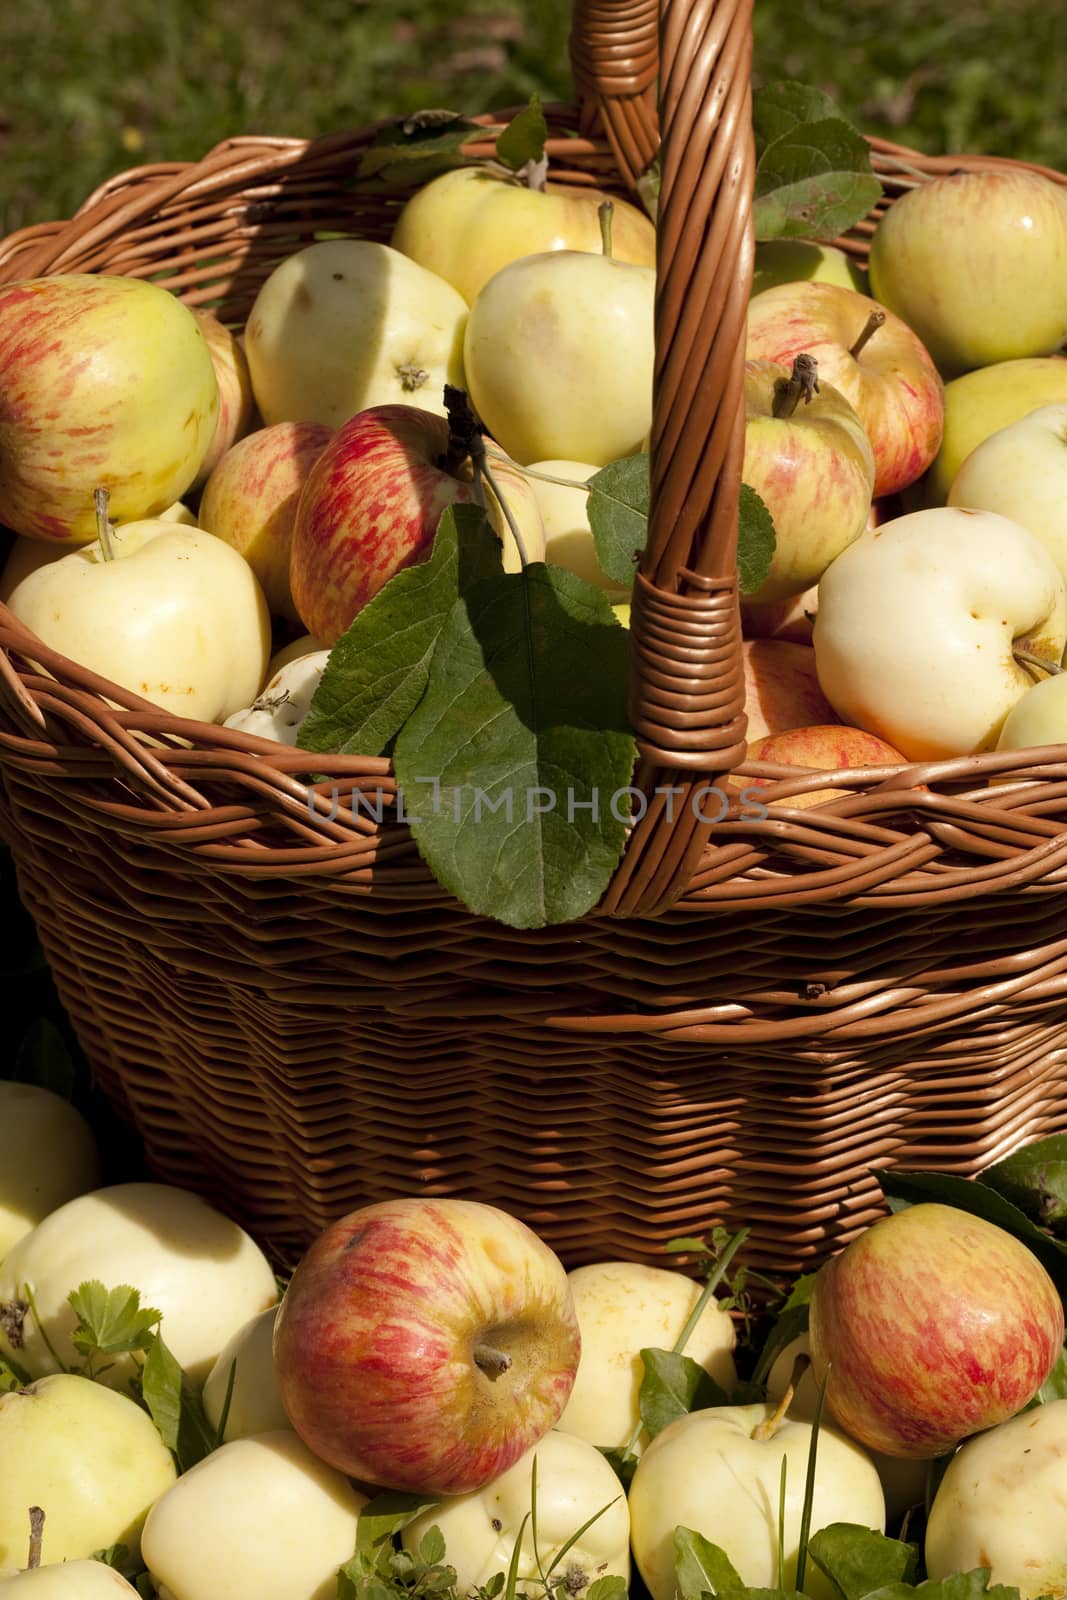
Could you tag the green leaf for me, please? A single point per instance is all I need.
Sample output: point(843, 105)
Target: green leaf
point(613, 1587)
point(408, 154)
point(801, 1291)
point(516, 763)
point(432, 1546)
point(111, 1321)
point(44, 1058)
point(755, 540)
point(1055, 1385)
point(618, 515)
point(385, 1514)
point(621, 1461)
point(701, 1567)
point(648, 187)
point(1034, 1179)
point(524, 137)
point(377, 671)
point(12, 1376)
point(791, 1323)
point(779, 107)
point(672, 1386)
point(175, 1406)
point(961, 1586)
point(857, 1560)
point(814, 182)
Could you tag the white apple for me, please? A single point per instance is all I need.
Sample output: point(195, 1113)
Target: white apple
point(976, 263)
point(1021, 471)
point(90, 1458)
point(257, 1519)
point(279, 710)
point(47, 1155)
point(305, 644)
point(166, 611)
point(70, 1580)
point(924, 624)
point(711, 1472)
point(255, 1404)
point(574, 1482)
point(622, 1308)
point(565, 513)
point(346, 324)
point(981, 402)
point(558, 354)
point(1038, 717)
point(204, 1273)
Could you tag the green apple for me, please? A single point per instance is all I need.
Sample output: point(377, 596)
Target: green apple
point(559, 353)
point(976, 263)
point(90, 1458)
point(790, 260)
point(1021, 471)
point(982, 402)
point(466, 224)
point(346, 324)
point(1038, 717)
point(565, 513)
point(70, 1580)
point(47, 1156)
point(255, 1404)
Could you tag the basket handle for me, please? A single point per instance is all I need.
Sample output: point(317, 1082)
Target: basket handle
point(687, 679)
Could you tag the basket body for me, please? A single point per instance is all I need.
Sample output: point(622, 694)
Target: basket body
point(298, 1020)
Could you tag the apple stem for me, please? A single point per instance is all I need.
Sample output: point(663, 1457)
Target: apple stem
point(463, 430)
point(36, 1536)
point(605, 212)
point(871, 326)
point(801, 384)
point(1026, 658)
point(770, 1425)
point(494, 1363)
point(104, 528)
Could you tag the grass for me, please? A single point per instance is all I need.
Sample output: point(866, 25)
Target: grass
point(96, 86)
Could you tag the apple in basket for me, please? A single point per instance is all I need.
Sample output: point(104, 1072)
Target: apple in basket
point(982, 402)
point(237, 406)
point(426, 1345)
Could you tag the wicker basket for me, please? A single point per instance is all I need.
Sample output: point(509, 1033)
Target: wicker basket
point(298, 1019)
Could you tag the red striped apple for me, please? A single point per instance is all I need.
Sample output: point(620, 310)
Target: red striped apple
point(782, 687)
point(237, 406)
point(426, 1344)
point(823, 749)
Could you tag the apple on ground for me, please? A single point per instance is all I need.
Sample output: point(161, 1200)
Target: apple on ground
point(999, 1506)
point(91, 1458)
point(346, 324)
point(237, 406)
point(104, 380)
point(371, 505)
point(829, 748)
point(202, 1271)
point(565, 513)
point(976, 263)
point(257, 1519)
point(481, 1530)
point(426, 1345)
point(981, 403)
point(796, 260)
point(166, 611)
point(929, 1326)
point(929, 628)
point(623, 1308)
point(246, 1360)
point(47, 1156)
point(466, 224)
point(1021, 472)
point(782, 687)
point(70, 1580)
point(718, 1472)
point(250, 501)
point(559, 353)
point(809, 459)
point(874, 359)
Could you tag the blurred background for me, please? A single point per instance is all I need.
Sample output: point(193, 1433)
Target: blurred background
point(92, 87)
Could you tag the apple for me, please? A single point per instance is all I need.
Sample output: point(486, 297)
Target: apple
point(426, 1344)
point(822, 749)
point(305, 644)
point(976, 263)
point(980, 403)
point(793, 260)
point(26, 555)
point(466, 224)
point(999, 1505)
point(47, 1156)
point(482, 1529)
point(168, 612)
point(71, 1580)
point(279, 710)
point(713, 1472)
point(250, 501)
point(204, 1273)
point(926, 627)
point(237, 406)
point(371, 505)
point(559, 354)
point(255, 1404)
point(1038, 717)
point(621, 609)
point(782, 687)
point(874, 359)
point(931, 1325)
point(104, 382)
point(564, 510)
point(623, 1308)
point(346, 324)
point(91, 1458)
point(809, 459)
point(257, 1519)
point(1021, 471)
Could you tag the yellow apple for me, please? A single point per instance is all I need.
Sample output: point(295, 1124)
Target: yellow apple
point(70, 1580)
point(467, 224)
point(237, 406)
point(1039, 716)
point(982, 402)
point(790, 260)
point(255, 1404)
point(1021, 471)
point(47, 1156)
point(565, 514)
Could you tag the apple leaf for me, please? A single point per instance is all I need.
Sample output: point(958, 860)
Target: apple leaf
point(523, 140)
point(111, 1321)
point(701, 1567)
point(961, 1586)
point(779, 107)
point(755, 540)
point(405, 155)
point(1055, 1385)
point(175, 1406)
point(13, 1377)
point(813, 182)
point(388, 1513)
point(622, 1462)
point(618, 515)
point(515, 764)
point(673, 1385)
point(801, 1291)
point(378, 670)
point(790, 1325)
point(1034, 1179)
point(613, 1587)
point(857, 1560)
